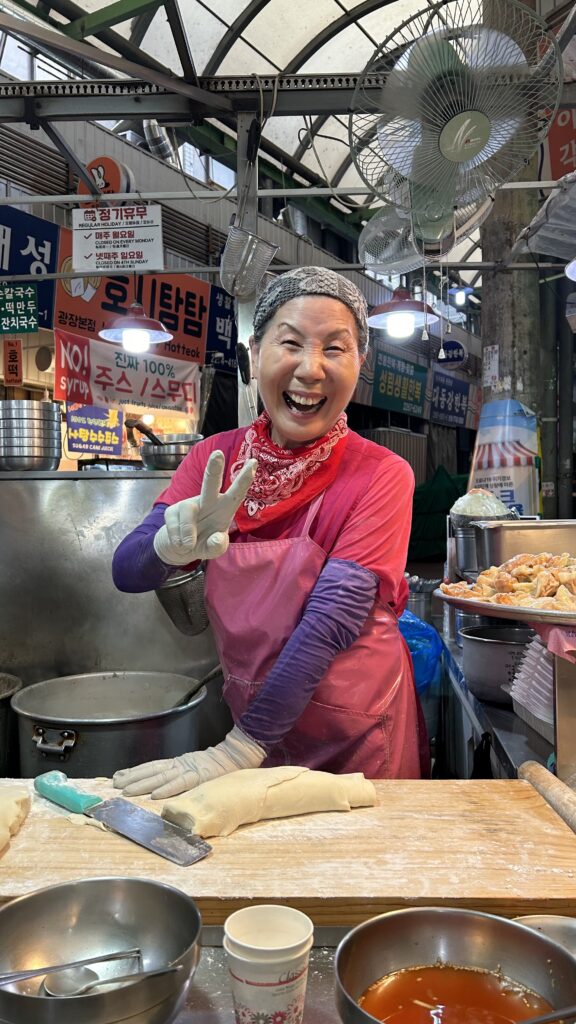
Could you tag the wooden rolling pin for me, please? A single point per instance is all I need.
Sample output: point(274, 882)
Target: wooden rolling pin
point(555, 792)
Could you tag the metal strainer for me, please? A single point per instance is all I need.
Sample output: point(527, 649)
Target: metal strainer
point(182, 598)
point(244, 262)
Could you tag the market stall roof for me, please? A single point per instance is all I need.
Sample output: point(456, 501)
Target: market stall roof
point(253, 44)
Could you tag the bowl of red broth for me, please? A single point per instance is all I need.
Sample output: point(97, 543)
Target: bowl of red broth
point(439, 965)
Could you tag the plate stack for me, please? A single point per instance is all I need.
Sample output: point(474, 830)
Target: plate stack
point(532, 691)
point(30, 436)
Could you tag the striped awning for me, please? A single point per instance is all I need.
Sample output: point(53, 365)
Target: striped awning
point(503, 453)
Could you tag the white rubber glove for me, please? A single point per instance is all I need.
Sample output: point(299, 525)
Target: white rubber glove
point(176, 775)
point(197, 528)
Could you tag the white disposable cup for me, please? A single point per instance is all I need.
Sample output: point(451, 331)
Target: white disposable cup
point(268, 990)
point(268, 931)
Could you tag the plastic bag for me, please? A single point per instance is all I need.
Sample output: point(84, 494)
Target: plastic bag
point(425, 647)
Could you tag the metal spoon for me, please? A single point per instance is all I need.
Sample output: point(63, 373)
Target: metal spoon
point(547, 1018)
point(9, 977)
point(79, 980)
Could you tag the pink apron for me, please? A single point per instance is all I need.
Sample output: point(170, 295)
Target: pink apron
point(364, 714)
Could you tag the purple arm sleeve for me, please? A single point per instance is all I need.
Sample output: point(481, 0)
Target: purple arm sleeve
point(135, 564)
point(333, 618)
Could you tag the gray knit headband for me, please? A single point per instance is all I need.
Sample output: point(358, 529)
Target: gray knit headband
point(312, 281)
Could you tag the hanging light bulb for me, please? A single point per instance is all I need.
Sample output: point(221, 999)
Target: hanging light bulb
point(400, 325)
point(135, 331)
point(441, 353)
point(448, 327)
point(425, 335)
point(570, 270)
point(460, 293)
point(402, 302)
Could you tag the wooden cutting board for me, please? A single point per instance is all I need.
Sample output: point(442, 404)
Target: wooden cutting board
point(492, 845)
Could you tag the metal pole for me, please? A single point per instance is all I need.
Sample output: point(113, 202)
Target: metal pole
point(565, 403)
point(247, 187)
point(549, 420)
point(306, 192)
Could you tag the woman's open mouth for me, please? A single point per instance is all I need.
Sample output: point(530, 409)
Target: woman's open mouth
point(302, 405)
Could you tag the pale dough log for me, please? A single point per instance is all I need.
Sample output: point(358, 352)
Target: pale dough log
point(14, 807)
point(218, 807)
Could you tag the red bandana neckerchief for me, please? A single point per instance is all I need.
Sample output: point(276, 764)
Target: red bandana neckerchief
point(286, 478)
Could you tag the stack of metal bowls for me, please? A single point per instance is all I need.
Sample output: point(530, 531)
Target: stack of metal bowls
point(30, 435)
point(170, 453)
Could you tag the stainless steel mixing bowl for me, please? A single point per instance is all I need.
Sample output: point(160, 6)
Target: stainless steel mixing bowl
point(168, 455)
point(464, 938)
point(88, 918)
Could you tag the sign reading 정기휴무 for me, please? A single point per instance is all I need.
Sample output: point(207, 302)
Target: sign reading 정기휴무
point(18, 309)
point(92, 429)
point(399, 384)
point(113, 239)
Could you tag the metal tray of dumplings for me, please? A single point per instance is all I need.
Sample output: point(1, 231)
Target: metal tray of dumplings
point(496, 542)
point(508, 611)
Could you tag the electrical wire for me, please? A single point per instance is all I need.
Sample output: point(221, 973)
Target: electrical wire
point(349, 205)
point(185, 177)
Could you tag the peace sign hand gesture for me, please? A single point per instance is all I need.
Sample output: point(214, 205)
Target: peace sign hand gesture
point(197, 528)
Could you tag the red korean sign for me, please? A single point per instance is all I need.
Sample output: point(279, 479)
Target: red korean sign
point(562, 143)
point(100, 373)
point(13, 368)
point(84, 305)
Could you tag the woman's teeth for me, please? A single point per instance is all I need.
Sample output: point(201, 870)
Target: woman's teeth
point(301, 404)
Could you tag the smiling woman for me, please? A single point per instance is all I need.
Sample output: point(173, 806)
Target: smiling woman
point(304, 526)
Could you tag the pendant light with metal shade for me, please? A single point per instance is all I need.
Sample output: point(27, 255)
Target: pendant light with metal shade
point(402, 315)
point(135, 331)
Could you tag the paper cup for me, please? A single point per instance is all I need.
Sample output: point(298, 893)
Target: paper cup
point(268, 932)
point(268, 991)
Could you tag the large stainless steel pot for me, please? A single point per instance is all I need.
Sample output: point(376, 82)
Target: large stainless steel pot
point(99, 722)
point(491, 656)
point(463, 938)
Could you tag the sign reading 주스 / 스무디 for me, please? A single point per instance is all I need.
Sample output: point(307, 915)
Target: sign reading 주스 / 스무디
point(99, 373)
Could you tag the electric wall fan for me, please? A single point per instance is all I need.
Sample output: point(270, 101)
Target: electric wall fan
point(391, 241)
point(453, 104)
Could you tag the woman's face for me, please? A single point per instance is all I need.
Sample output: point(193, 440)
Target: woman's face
point(307, 366)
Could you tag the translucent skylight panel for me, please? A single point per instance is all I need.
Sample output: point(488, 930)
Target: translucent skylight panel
point(283, 28)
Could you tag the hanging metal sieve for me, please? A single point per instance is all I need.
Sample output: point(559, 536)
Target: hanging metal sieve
point(244, 262)
point(182, 598)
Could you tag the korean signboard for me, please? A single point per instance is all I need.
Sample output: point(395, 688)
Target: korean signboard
point(449, 400)
point(91, 429)
point(399, 385)
point(84, 305)
point(222, 332)
point(114, 239)
point(455, 354)
point(29, 245)
point(13, 370)
point(99, 373)
point(561, 143)
point(18, 309)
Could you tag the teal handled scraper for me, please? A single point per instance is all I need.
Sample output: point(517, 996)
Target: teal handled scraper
point(127, 819)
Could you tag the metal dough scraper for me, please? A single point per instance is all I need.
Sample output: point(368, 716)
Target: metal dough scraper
point(126, 819)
